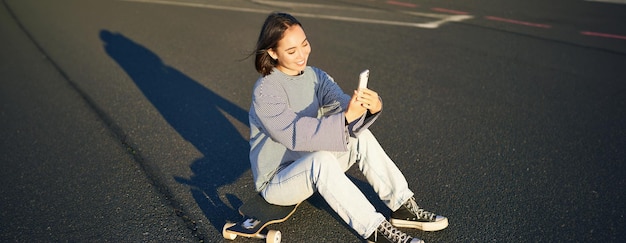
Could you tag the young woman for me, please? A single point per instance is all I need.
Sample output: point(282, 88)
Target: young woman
point(306, 132)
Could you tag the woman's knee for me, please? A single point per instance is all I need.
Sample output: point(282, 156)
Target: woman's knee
point(323, 159)
point(323, 165)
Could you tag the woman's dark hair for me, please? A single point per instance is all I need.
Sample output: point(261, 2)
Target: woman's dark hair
point(271, 33)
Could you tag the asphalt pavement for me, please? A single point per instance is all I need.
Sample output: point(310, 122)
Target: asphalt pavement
point(65, 175)
point(126, 121)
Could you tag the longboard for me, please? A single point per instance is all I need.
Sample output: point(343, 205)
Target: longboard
point(257, 215)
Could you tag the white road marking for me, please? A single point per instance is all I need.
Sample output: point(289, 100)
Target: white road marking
point(441, 18)
point(312, 5)
point(444, 18)
point(200, 5)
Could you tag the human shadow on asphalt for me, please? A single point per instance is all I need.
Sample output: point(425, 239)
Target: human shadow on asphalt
point(195, 112)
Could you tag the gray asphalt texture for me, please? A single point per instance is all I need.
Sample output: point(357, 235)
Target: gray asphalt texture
point(126, 121)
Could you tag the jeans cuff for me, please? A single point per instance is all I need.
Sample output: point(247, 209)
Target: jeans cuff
point(374, 225)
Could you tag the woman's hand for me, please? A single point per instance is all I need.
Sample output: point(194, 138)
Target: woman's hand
point(355, 108)
point(362, 100)
point(369, 100)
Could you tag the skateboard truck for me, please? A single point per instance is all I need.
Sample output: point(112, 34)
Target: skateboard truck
point(270, 236)
point(257, 215)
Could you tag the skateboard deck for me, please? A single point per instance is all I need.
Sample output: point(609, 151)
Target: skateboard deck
point(257, 214)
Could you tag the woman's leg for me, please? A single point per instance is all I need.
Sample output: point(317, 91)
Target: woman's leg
point(381, 172)
point(322, 172)
point(390, 184)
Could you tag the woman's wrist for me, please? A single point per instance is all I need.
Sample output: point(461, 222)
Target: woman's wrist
point(350, 117)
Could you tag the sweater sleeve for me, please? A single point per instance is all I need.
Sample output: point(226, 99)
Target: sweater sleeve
point(297, 133)
point(332, 93)
point(364, 122)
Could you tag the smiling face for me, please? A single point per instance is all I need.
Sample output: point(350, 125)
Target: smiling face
point(292, 51)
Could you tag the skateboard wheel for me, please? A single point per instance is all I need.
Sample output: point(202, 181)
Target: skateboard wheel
point(226, 235)
point(273, 236)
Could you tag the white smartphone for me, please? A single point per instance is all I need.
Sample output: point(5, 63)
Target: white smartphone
point(363, 77)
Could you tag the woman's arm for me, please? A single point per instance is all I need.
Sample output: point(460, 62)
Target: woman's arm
point(297, 133)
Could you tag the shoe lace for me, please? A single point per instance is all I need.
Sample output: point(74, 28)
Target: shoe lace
point(419, 212)
point(393, 234)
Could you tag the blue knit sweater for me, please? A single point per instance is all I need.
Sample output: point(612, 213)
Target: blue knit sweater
point(294, 115)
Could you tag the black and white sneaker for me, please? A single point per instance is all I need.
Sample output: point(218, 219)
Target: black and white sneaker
point(386, 233)
point(412, 216)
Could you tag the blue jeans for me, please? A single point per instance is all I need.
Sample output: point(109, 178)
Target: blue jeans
point(324, 172)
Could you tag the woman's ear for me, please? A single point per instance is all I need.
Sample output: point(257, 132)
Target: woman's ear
point(272, 53)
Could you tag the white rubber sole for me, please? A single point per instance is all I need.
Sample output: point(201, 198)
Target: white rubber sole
point(424, 226)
